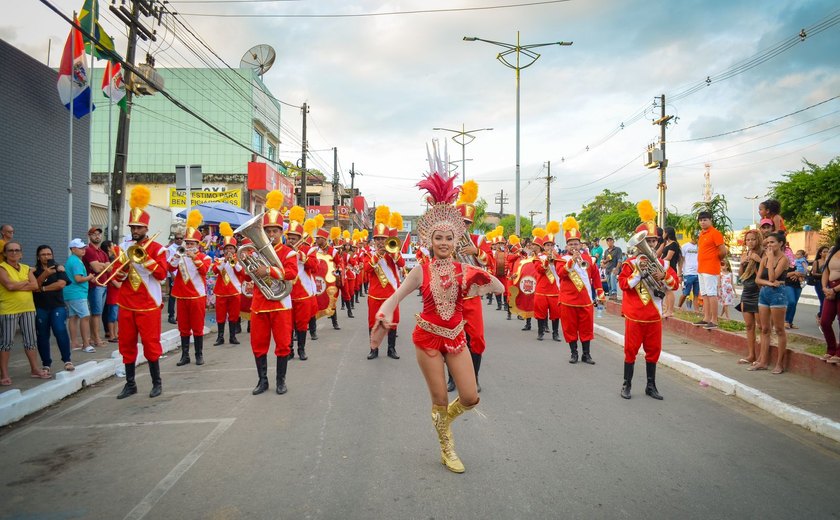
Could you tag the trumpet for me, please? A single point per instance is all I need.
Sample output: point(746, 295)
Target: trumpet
point(393, 245)
point(579, 261)
point(135, 254)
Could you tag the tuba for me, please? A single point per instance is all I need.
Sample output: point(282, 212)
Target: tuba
point(261, 253)
point(648, 264)
point(464, 243)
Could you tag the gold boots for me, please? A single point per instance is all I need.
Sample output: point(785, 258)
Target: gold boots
point(440, 418)
point(455, 409)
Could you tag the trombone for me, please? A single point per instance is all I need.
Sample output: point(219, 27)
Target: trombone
point(135, 253)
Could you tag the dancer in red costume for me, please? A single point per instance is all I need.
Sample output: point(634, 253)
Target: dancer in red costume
point(228, 289)
point(444, 284)
point(644, 285)
point(140, 297)
point(578, 277)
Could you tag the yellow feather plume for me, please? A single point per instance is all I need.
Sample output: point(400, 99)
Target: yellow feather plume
point(297, 213)
point(346, 234)
point(538, 232)
point(500, 230)
point(274, 199)
point(469, 192)
point(396, 221)
point(225, 229)
point(514, 240)
point(319, 220)
point(646, 211)
point(553, 227)
point(194, 219)
point(382, 215)
point(309, 226)
point(140, 197)
point(356, 235)
point(363, 234)
point(335, 232)
point(570, 223)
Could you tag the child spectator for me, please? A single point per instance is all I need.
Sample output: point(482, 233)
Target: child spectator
point(800, 262)
point(726, 293)
point(76, 297)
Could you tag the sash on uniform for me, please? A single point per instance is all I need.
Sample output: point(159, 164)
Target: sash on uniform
point(388, 272)
point(194, 276)
point(234, 280)
point(151, 283)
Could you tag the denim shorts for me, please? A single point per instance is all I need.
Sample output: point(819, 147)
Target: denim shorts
point(691, 283)
point(111, 313)
point(773, 297)
point(96, 299)
point(78, 308)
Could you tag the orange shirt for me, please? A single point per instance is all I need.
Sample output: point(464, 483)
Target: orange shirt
point(708, 261)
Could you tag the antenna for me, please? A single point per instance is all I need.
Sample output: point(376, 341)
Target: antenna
point(259, 59)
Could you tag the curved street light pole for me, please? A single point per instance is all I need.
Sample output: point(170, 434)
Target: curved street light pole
point(463, 133)
point(517, 66)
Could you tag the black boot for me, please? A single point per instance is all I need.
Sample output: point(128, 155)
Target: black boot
point(282, 364)
point(301, 337)
point(199, 349)
point(185, 351)
point(586, 357)
point(374, 353)
point(349, 310)
point(498, 302)
point(249, 327)
point(154, 371)
point(292, 344)
point(262, 372)
point(628, 377)
point(573, 347)
point(334, 319)
point(490, 299)
point(392, 344)
point(555, 330)
point(220, 339)
point(527, 324)
point(357, 297)
point(476, 359)
point(450, 385)
point(650, 389)
point(342, 304)
point(313, 329)
point(542, 325)
point(507, 308)
point(239, 326)
point(233, 331)
point(130, 387)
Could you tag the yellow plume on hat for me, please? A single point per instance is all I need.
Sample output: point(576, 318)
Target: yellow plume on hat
point(274, 199)
point(396, 221)
point(382, 215)
point(335, 232)
point(570, 223)
point(514, 240)
point(356, 235)
point(363, 234)
point(553, 227)
point(309, 226)
point(319, 220)
point(346, 234)
point(646, 211)
point(297, 213)
point(538, 232)
point(140, 197)
point(225, 230)
point(194, 219)
point(469, 192)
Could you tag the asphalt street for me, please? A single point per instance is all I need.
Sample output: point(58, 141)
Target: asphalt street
point(353, 439)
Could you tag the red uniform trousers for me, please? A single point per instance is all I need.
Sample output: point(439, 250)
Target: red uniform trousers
point(373, 307)
point(245, 306)
point(265, 325)
point(638, 333)
point(227, 308)
point(577, 322)
point(302, 311)
point(347, 289)
point(547, 306)
point(474, 324)
point(191, 313)
point(147, 325)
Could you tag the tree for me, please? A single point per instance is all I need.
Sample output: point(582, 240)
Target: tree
point(718, 207)
point(606, 203)
point(479, 225)
point(618, 225)
point(809, 195)
point(509, 224)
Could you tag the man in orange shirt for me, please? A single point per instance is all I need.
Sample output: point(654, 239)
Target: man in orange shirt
point(710, 251)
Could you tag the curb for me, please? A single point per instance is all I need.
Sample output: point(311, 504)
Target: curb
point(793, 414)
point(15, 405)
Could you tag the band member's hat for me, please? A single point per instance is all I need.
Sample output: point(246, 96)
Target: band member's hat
point(648, 216)
point(297, 215)
point(139, 199)
point(466, 200)
point(551, 230)
point(194, 220)
point(571, 229)
point(380, 222)
point(395, 225)
point(539, 235)
point(227, 235)
point(273, 216)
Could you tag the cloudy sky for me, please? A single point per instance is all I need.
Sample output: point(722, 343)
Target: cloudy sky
point(377, 85)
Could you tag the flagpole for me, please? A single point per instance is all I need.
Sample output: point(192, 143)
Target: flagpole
point(93, 7)
point(70, 161)
point(107, 71)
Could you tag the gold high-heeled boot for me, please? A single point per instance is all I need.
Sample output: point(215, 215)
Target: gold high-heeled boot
point(440, 418)
point(456, 409)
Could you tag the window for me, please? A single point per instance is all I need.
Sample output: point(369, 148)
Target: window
point(272, 152)
point(313, 200)
point(258, 141)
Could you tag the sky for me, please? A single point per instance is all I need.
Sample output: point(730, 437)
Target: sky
point(378, 83)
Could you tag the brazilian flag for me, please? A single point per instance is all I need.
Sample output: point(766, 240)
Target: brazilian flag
point(102, 43)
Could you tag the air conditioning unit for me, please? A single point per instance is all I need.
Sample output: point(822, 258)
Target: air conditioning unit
point(141, 85)
point(653, 158)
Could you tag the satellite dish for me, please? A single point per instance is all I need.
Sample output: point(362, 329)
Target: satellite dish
point(258, 59)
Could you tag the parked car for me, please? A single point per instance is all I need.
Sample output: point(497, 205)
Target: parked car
point(410, 261)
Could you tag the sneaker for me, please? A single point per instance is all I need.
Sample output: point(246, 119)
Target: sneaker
point(709, 326)
point(90, 349)
point(700, 323)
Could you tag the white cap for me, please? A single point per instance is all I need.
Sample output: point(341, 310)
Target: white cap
point(77, 242)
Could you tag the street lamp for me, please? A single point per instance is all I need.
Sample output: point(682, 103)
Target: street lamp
point(753, 198)
point(463, 133)
point(532, 56)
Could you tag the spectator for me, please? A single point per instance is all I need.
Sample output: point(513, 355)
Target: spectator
point(748, 306)
point(710, 251)
point(831, 309)
point(726, 293)
point(50, 312)
point(770, 209)
point(17, 309)
point(772, 301)
point(800, 262)
point(172, 249)
point(672, 254)
point(7, 233)
point(766, 226)
point(612, 259)
point(95, 260)
point(597, 251)
point(793, 289)
point(76, 297)
point(111, 313)
point(691, 284)
point(815, 276)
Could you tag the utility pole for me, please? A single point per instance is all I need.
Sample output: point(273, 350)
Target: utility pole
point(117, 191)
point(353, 174)
point(302, 199)
point(548, 180)
point(501, 200)
point(335, 184)
point(532, 213)
point(663, 164)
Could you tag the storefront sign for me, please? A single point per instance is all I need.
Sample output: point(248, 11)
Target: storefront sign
point(178, 198)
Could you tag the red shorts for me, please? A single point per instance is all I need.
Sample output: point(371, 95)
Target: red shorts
point(577, 322)
point(191, 313)
point(227, 308)
point(430, 343)
point(265, 325)
point(146, 324)
point(647, 334)
point(547, 306)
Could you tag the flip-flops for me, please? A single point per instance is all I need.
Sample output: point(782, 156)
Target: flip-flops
point(755, 368)
point(743, 361)
point(45, 374)
point(69, 366)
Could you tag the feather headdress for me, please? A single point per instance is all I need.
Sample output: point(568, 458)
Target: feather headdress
point(335, 232)
point(442, 192)
point(382, 215)
point(225, 230)
point(309, 226)
point(140, 197)
point(297, 213)
point(363, 234)
point(396, 221)
point(346, 234)
point(194, 219)
point(538, 232)
point(570, 223)
point(469, 192)
point(274, 200)
point(646, 211)
point(552, 228)
point(319, 221)
point(514, 240)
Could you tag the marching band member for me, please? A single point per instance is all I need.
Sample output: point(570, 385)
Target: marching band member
point(439, 335)
point(578, 277)
point(310, 226)
point(547, 302)
point(228, 289)
point(321, 241)
point(273, 318)
point(514, 252)
point(303, 292)
point(348, 277)
point(383, 268)
point(141, 268)
point(644, 284)
point(189, 269)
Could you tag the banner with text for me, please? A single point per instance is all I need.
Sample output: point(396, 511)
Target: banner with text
point(178, 198)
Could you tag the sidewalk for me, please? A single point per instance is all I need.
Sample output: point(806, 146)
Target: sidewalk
point(820, 399)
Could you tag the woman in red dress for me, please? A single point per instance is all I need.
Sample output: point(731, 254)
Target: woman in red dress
point(443, 284)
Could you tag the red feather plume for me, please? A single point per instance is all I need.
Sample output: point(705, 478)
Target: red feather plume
point(439, 185)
